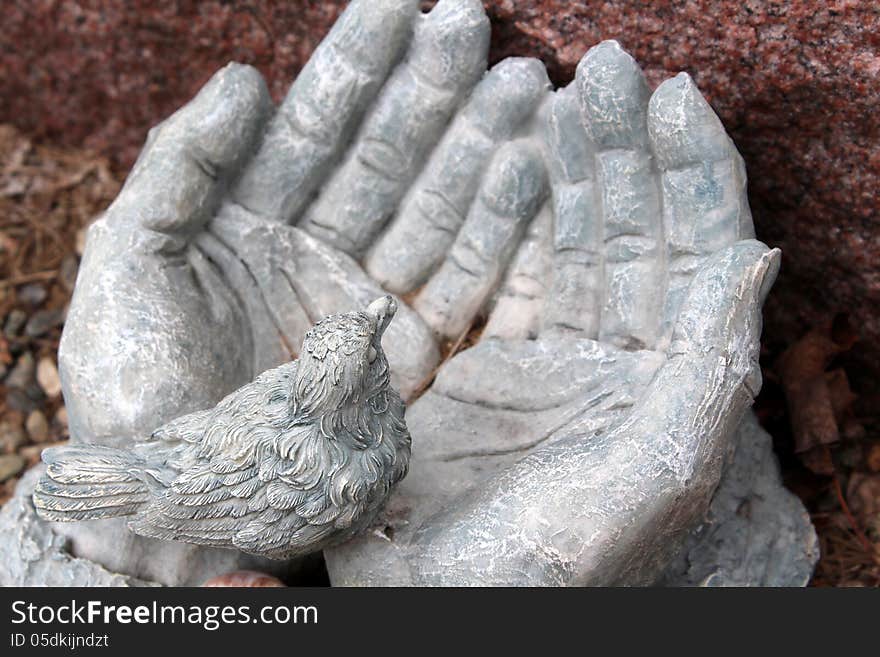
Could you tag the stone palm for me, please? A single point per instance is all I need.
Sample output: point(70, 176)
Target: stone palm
point(597, 228)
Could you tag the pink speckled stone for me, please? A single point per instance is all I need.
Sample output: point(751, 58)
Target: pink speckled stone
point(100, 73)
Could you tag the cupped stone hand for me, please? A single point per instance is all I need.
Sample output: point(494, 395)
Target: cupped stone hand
point(598, 228)
point(583, 436)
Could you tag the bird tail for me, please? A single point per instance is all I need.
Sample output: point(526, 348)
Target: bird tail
point(88, 482)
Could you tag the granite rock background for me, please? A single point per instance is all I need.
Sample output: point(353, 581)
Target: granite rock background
point(795, 82)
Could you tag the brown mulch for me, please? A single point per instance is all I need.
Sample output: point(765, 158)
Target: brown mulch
point(827, 438)
point(47, 197)
point(828, 444)
point(831, 440)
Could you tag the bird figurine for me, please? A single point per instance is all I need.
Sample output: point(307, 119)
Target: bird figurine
point(301, 458)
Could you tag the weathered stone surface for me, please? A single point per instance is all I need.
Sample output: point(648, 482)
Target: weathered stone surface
point(590, 474)
point(34, 555)
point(756, 533)
point(39, 553)
point(342, 372)
point(795, 84)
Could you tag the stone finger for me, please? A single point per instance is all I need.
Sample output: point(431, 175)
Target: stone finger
point(703, 185)
point(309, 131)
point(511, 193)
point(175, 186)
point(434, 209)
point(519, 310)
point(614, 100)
point(575, 297)
point(446, 58)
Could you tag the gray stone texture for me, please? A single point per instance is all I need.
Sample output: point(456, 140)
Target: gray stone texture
point(601, 229)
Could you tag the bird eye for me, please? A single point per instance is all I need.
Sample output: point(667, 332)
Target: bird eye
point(371, 354)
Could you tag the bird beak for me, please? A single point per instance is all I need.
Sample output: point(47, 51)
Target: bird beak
point(382, 309)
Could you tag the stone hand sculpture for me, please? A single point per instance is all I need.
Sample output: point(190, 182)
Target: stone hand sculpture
point(602, 230)
point(299, 459)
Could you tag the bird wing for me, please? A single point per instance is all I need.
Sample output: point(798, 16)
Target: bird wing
point(206, 503)
point(266, 482)
point(302, 499)
point(169, 450)
point(188, 428)
point(256, 500)
point(218, 475)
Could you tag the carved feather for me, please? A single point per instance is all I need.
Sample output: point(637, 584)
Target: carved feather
point(301, 457)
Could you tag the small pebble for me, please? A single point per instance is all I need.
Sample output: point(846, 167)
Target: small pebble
point(12, 437)
point(69, 269)
point(15, 321)
point(35, 393)
point(37, 427)
point(863, 495)
point(22, 375)
point(47, 377)
point(32, 453)
point(32, 294)
point(872, 459)
point(244, 579)
point(43, 321)
point(18, 400)
point(80, 244)
point(61, 416)
point(10, 465)
point(17, 347)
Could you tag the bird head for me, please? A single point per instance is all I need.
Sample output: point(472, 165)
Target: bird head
point(342, 363)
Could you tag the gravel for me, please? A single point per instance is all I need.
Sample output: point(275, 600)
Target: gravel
point(37, 427)
point(47, 377)
point(10, 465)
point(43, 321)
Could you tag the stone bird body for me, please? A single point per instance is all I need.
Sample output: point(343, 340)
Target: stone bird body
point(302, 457)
